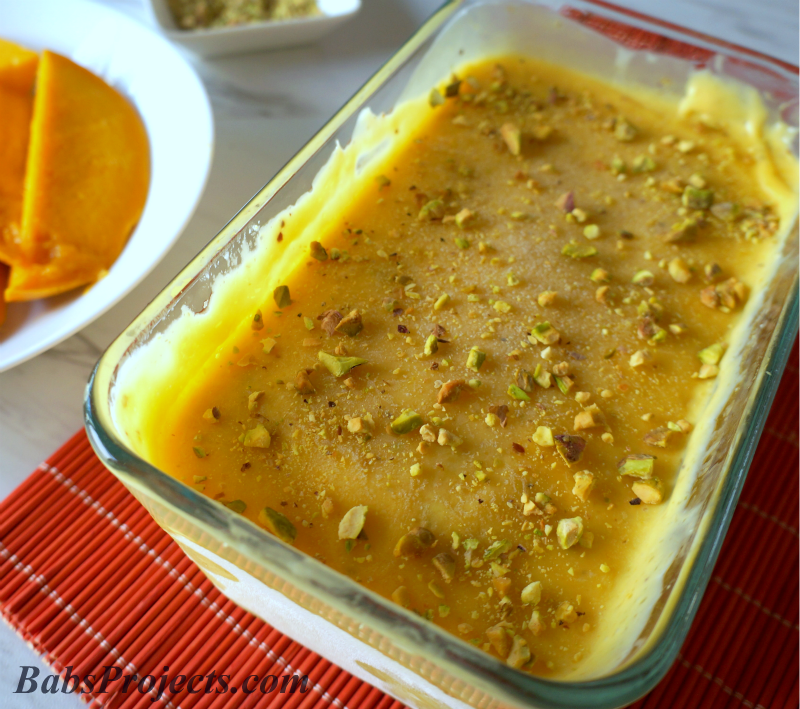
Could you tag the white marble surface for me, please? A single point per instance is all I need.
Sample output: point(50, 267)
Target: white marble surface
point(266, 106)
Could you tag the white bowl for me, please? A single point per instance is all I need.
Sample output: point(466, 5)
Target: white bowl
point(253, 36)
point(176, 112)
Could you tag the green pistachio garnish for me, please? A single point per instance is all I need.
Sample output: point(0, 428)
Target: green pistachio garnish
point(532, 593)
point(199, 452)
point(638, 465)
point(282, 297)
point(659, 436)
point(309, 323)
point(197, 479)
point(575, 250)
point(435, 98)
point(643, 278)
point(563, 383)
point(257, 322)
point(464, 217)
point(237, 506)
point(712, 354)
point(414, 542)
point(406, 422)
point(213, 414)
point(461, 242)
point(649, 491)
point(382, 181)
point(516, 393)
point(432, 210)
point(257, 437)
point(512, 136)
point(390, 304)
point(353, 522)
point(569, 532)
point(431, 345)
point(643, 163)
point(695, 198)
point(624, 131)
point(351, 324)
point(474, 383)
point(543, 378)
point(252, 400)
point(618, 166)
point(543, 437)
point(544, 333)
point(570, 447)
point(445, 563)
point(496, 548)
point(525, 380)
point(441, 301)
point(278, 524)
point(339, 366)
point(317, 251)
point(475, 359)
point(683, 231)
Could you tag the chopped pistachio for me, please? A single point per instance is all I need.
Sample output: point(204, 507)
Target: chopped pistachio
point(432, 210)
point(302, 382)
point(353, 522)
point(547, 298)
point(570, 447)
point(406, 422)
point(252, 400)
point(695, 198)
point(535, 624)
point(658, 436)
point(257, 437)
point(389, 304)
point(566, 202)
point(360, 426)
point(431, 345)
point(461, 242)
point(649, 491)
point(441, 301)
point(444, 610)
point(450, 391)
point(566, 613)
point(516, 393)
point(475, 359)
point(543, 378)
point(258, 321)
point(643, 163)
point(544, 437)
point(564, 384)
point(520, 653)
point(414, 542)
point(624, 130)
point(464, 217)
point(512, 280)
point(317, 251)
point(532, 593)
point(584, 482)
point(640, 358)
point(569, 531)
point(590, 417)
point(708, 371)
point(268, 344)
point(618, 165)
point(282, 297)
point(638, 465)
point(545, 333)
point(501, 306)
point(586, 540)
point(497, 548)
point(683, 231)
point(199, 452)
point(237, 506)
point(579, 251)
point(445, 563)
point(382, 181)
point(711, 272)
point(351, 324)
point(212, 414)
point(600, 275)
point(278, 524)
point(643, 278)
point(591, 231)
point(512, 136)
point(712, 354)
point(435, 98)
point(446, 438)
point(524, 380)
point(500, 639)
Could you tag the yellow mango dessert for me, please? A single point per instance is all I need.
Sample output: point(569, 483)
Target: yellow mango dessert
point(472, 391)
point(86, 180)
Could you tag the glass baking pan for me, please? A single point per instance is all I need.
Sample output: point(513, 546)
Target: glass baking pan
point(362, 632)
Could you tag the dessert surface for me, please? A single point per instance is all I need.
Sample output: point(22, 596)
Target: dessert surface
point(474, 393)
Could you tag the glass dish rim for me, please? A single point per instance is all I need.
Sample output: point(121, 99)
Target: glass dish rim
point(489, 674)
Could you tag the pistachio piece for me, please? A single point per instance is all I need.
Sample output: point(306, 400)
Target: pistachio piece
point(542, 377)
point(431, 211)
point(520, 653)
point(199, 452)
point(683, 231)
point(464, 217)
point(330, 319)
point(694, 198)
point(569, 531)
point(643, 278)
point(649, 491)
point(579, 251)
point(475, 359)
point(524, 380)
point(590, 417)
point(564, 384)
point(584, 482)
point(624, 130)
point(431, 345)
point(238, 506)
point(544, 437)
point(535, 624)
point(600, 275)
point(591, 232)
point(640, 358)
point(566, 613)
point(712, 354)
point(708, 371)
point(317, 251)
point(512, 136)
point(445, 563)
point(339, 366)
point(570, 447)
point(500, 639)
point(351, 324)
point(450, 391)
point(516, 393)
point(638, 465)
point(461, 242)
point(406, 422)
point(252, 400)
point(643, 163)
point(402, 597)
point(658, 437)
point(268, 344)
point(360, 426)
point(711, 272)
point(441, 301)
point(213, 414)
point(282, 297)
point(414, 542)
point(353, 522)
point(566, 202)
point(446, 438)
point(428, 433)
point(679, 270)
point(258, 321)
point(435, 98)
point(532, 593)
point(545, 334)
point(496, 548)
point(302, 382)
point(257, 437)
point(547, 298)
point(278, 524)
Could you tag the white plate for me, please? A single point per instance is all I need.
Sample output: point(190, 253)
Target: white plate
point(171, 100)
point(253, 36)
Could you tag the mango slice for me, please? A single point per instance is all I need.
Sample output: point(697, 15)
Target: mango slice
point(17, 74)
point(88, 172)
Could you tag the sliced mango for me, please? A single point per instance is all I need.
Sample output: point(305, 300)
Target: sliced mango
point(17, 73)
point(88, 172)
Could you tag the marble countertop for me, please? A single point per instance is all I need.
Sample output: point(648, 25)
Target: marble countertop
point(266, 106)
